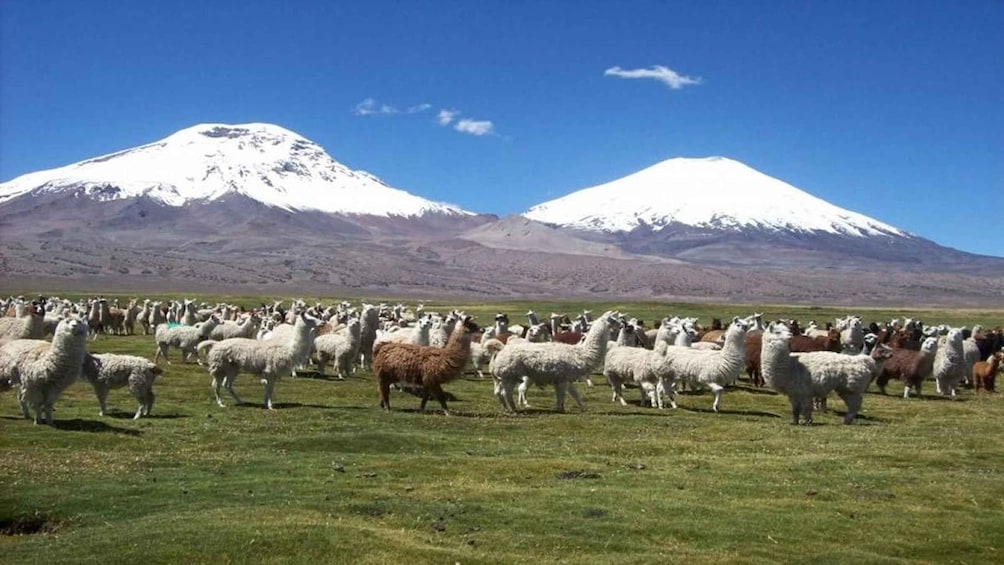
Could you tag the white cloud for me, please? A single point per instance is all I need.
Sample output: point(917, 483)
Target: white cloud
point(475, 127)
point(418, 108)
point(370, 107)
point(444, 117)
point(660, 73)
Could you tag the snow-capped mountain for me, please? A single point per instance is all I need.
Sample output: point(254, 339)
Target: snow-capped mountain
point(713, 193)
point(208, 162)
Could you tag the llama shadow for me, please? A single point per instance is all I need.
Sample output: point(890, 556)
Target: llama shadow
point(417, 392)
point(861, 417)
point(125, 415)
point(755, 390)
point(279, 405)
point(730, 412)
point(940, 398)
point(316, 376)
point(92, 426)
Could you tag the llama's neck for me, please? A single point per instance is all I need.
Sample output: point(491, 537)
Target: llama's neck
point(775, 363)
point(208, 325)
point(735, 343)
point(458, 347)
point(594, 346)
point(66, 355)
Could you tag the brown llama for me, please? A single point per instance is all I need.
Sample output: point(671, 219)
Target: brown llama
point(985, 373)
point(421, 365)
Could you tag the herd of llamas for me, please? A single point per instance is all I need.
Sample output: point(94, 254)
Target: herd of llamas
point(44, 350)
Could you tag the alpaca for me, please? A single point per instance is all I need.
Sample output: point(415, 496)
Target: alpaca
point(44, 370)
point(107, 371)
point(185, 338)
point(245, 327)
point(369, 321)
point(269, 360)
point(805, 377)
point(708, 369)
point(417, 335)
point(851, 335)
point(438, 336)
point(29, 324)
point(985, 372)
point(131, 313)
point(785, 375)
point(339, 347)
point(425, 366)
point(552, 363)
point(284, 332)
point(909, 366)
point(483, 351)
point(950, 363)
point(848, 375)
point(635, 365)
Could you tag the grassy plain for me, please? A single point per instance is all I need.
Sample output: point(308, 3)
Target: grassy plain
point(328, 477)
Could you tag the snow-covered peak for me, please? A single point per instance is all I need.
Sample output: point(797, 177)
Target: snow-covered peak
point(265, 162)
point(713, 192)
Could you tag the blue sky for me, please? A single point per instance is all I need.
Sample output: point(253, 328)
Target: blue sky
point(892, 109)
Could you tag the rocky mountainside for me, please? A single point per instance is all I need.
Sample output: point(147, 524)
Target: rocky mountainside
point(209, 162)
point(722, 212)
point(255, 208)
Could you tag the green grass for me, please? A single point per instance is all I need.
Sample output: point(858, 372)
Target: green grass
point(329, 477)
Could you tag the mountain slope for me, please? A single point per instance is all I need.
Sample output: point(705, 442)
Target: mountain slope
point(712, 193)
point(258, 209)
point(207, 162)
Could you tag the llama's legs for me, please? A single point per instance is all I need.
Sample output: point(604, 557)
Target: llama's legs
point(384, 388)
point(269, 383)
point(217, 381)
point(560, 389)
point(230, 380)
point(102, 394)
point(716, 389)
point(437, 391)
point(853, 402)
point(524, 385)
point(575, 396)
point(22, 399)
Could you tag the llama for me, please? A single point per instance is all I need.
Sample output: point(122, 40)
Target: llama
point(369, 321)
point(483, 351)
point(28, 323)
point(418, 365)
point(806, 377)
point(950, 364)
point(44, 370)
point(985, 372)
point(848, 375)
point(635, 365)
point(909, 366)
point(107, 371)
point(551, 363)
point(338, 347)
point(185, 338)
point(713, 370)
point(268, 360)
point(851, 335)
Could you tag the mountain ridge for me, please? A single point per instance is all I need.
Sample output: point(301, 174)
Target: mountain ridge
point(711, 192)
point(63, 230)
point(208, 161)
